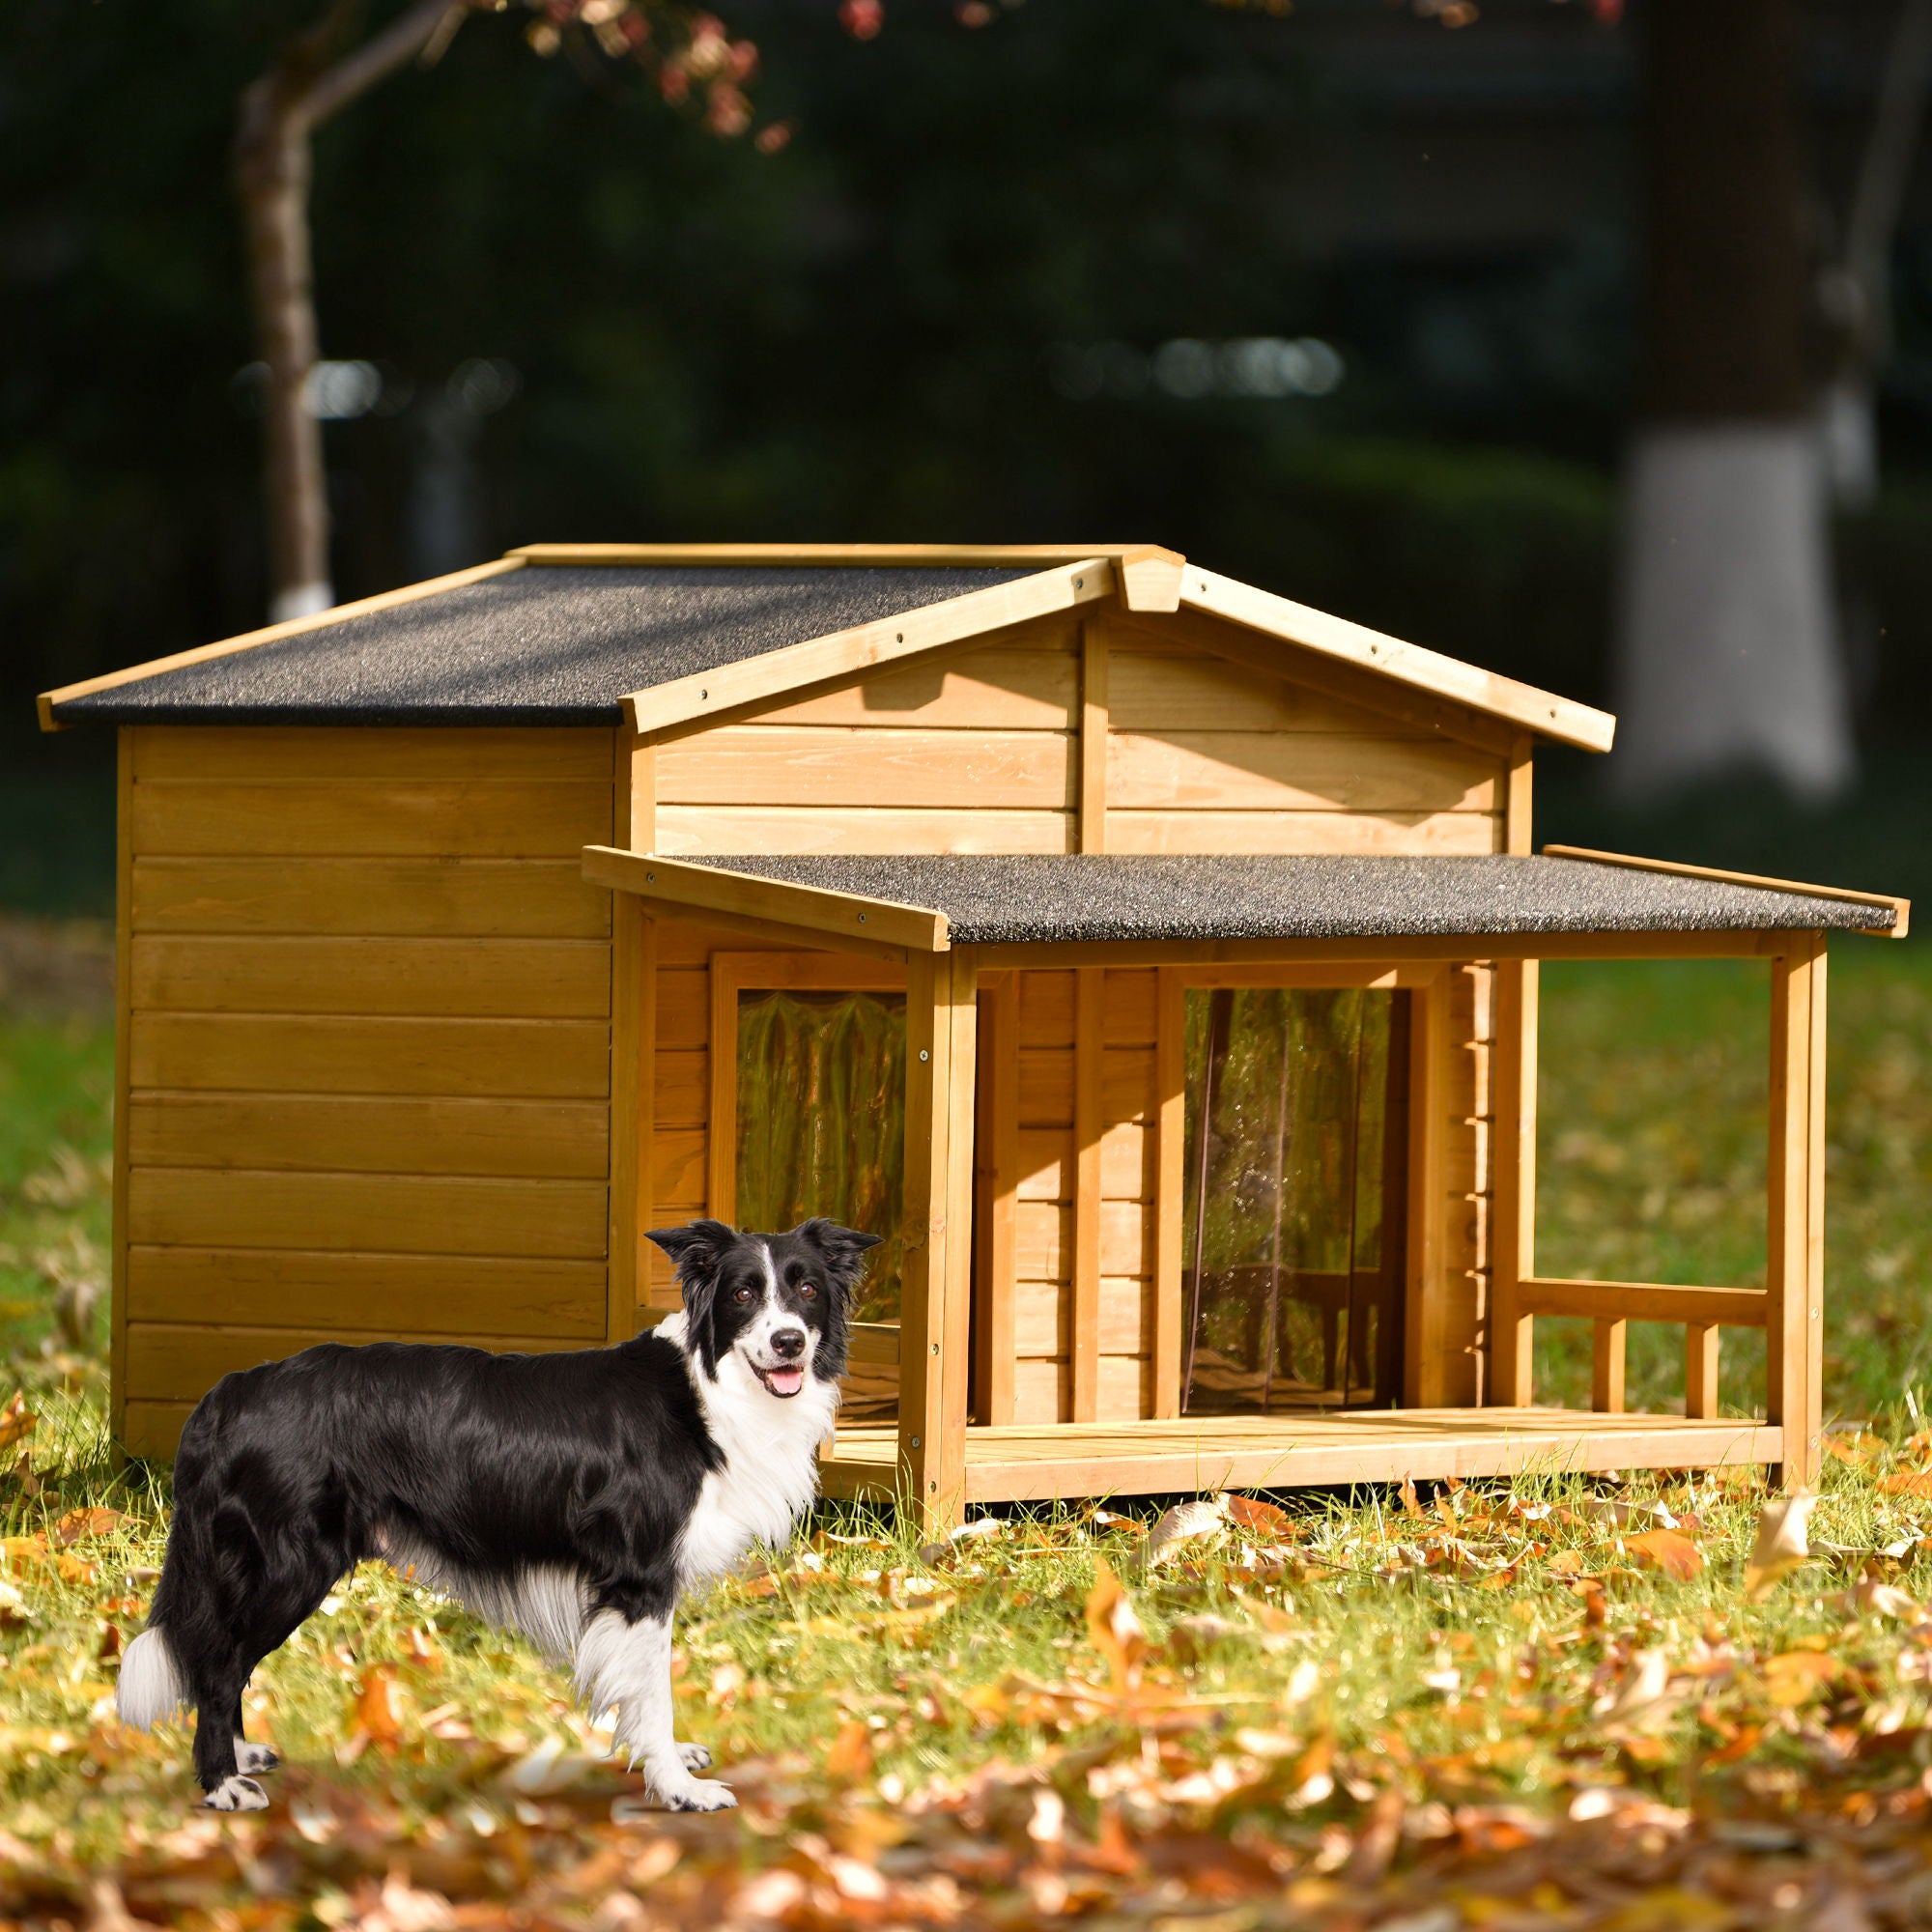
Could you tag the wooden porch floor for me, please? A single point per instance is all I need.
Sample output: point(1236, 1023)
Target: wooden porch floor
point(1035, 1463)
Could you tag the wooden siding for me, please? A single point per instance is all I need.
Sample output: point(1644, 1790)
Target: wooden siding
point(368, 1047)
point(970, 752)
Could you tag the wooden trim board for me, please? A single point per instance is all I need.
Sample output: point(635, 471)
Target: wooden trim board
point(1540, 711)
point(407, 593)
point(1192, 1453)
point(1902, 907)
point(711, 890)
point(838, 556)
point(794, 669)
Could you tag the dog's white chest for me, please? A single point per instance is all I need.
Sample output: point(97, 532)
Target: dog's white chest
point(769, 1478)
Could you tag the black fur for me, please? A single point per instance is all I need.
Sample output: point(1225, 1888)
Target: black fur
point(591, 1461)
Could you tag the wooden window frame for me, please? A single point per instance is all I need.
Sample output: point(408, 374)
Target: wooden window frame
point(1425, 1309)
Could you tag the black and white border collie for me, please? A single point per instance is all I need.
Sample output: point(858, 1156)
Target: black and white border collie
point(573, 1497)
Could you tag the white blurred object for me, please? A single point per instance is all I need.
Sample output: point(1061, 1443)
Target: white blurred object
point(1729, 656)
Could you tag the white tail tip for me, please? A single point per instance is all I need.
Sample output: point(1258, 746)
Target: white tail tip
point(151, 1689)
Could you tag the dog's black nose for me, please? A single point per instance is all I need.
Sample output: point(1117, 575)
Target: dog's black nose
point(788, 1343)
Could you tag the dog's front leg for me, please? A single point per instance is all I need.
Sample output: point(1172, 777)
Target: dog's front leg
point(625, 1662)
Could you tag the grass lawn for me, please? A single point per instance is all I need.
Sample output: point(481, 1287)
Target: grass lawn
point(1544, 1704)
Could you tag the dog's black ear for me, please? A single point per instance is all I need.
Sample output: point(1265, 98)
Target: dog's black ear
point(843, 1252)
point(695, 1249)
point(844, 1248)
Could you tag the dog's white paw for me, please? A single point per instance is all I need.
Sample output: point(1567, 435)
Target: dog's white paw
point(236, 1794)
point(696, 1757)
point(699, 1794)
point(255, 1757)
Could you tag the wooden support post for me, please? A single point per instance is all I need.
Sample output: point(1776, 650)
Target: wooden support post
point(1089, 1090)
point(1170, 1187)
point(1093, 726)
point(935, 1333)
point(996, 1164)
point(126, 739)
point(1425, 1374)
point(1700, 1369)
point(1606, 1366)
point(1794, 1342)
point(632, 1047)
point(1513, 1145)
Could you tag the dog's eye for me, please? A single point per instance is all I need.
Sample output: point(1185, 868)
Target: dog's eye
point(807, 1291)
point(743, 1295)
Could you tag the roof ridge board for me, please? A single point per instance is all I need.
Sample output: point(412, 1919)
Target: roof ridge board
point(707, 696)
point(1900, 908)
point(49, 701)
point(835, 556)
point(1542, 712)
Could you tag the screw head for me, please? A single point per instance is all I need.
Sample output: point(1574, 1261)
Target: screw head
point(923, 1055)
point(914, 1441)
point(935, 1348)
point(862, 919)
point(702, 695)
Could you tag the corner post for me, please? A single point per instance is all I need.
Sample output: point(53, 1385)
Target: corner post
point(1513, 1141)
point(935, 1313)
point(1794, 1353)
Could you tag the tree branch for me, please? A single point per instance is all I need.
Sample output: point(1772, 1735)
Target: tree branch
point(375, 60)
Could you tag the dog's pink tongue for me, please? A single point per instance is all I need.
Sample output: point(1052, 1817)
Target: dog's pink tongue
point(787, 1381)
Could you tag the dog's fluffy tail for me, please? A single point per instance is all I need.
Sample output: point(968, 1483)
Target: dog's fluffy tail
point(152, 1687)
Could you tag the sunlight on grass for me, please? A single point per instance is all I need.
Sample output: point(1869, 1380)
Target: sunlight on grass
point(1502, 1664)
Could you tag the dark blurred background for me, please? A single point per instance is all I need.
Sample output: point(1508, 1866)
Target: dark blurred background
point(1344, 299)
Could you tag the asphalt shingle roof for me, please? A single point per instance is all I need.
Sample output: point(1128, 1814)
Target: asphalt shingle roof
point(1000, 898)
point(550, 644)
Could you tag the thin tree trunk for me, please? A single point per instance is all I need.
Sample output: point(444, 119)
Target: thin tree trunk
point(273, 173)
point(280, 112)
point(1728, 656)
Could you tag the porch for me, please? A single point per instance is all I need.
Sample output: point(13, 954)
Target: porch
point(1185, 1454)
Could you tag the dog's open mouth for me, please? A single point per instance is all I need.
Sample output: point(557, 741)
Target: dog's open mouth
point(787, 1378)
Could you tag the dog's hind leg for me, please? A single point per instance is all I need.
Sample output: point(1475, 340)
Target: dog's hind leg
point(216, 1684)
point(251, 1759)
point(625, 1662)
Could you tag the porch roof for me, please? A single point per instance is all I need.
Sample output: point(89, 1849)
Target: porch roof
point(1012, 898)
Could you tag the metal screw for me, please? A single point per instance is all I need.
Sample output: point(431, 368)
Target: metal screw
point(1080, 584)
point(914, 1441)
point(862, 919)
point(702, 695)
point(923, 1055)
point(935, 1348)
point(899, 637)
point(650, 878)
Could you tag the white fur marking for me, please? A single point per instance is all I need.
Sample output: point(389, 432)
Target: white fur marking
point(628, 1665)
point(254, 1757)
point(236, 1794)
point(544, 1600)
point(152, 1687)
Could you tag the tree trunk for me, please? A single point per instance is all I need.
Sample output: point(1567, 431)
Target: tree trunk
point(1728, 657)
point(273, 171)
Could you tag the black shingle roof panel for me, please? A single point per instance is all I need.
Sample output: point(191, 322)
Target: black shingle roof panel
point(994, 898)
point(550, 644)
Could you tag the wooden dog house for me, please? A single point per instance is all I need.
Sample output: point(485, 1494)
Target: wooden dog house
point(1151, 959)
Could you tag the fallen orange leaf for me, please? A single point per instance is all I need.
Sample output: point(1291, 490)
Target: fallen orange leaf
point(1669, 1551)
point(1115, 1629)
point(376, 1715)
point(81, 1523)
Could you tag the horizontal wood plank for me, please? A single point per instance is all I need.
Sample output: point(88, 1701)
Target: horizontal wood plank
point(550, 979)
point(719, 831)
point(398, 1293)
point(433, 821)
point(1275, 771)
point(682, 1089)
point(473, 899)
point(170, 1361)
point(328, 1054)
point(1301, 831)
point(1046, 1163)
point(346, 753)
point(1001, 690)
point(370, 1135)
point(1185, 690)
point(189, 1207)
point(1044, 1240)
point(820, 765)
point(1043, 1318)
